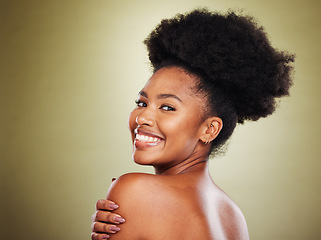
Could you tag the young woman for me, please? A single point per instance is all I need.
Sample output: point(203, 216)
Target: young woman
point(211, 71)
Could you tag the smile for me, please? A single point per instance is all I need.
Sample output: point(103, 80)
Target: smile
point(145, 138)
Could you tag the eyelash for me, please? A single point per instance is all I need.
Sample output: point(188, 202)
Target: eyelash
point(140, 103)
point(169, 108)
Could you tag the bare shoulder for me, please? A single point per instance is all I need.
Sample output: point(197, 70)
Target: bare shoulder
point(147, 200)
point(232, 219)
point(130, 186)
point(139, 198)
point(142, 190)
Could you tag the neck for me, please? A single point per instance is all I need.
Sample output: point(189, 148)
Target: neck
point(187, 166)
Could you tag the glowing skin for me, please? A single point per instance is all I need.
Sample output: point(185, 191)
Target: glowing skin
point(165, 125)
point(181, 201)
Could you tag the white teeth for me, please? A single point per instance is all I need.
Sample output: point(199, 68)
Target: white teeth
point(145, 138)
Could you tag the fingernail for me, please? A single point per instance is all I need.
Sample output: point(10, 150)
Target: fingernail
point(105, 236)
point(113, 206)
point(114, 229)
point(119, 219)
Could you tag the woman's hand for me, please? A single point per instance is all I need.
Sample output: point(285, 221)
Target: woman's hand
point(104, 221)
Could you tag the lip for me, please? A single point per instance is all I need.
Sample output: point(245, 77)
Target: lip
point(147, 133)
point(144, 145)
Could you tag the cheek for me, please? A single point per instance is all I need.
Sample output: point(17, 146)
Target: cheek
point(182, 130)
point(183, 138)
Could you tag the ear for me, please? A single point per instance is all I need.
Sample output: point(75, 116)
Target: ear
point(210, 128)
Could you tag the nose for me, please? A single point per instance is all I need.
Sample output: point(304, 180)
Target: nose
point(145, 118)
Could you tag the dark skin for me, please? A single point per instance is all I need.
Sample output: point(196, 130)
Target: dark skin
point(180, 201)
point(104, 221)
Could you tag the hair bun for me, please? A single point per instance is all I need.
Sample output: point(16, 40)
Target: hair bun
point(229, 51)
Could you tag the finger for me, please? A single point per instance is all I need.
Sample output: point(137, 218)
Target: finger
point(99, 236)
point(99, 227)
point(107, 217)
point(103, 204)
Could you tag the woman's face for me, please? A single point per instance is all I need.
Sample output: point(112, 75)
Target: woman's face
point(165, 125)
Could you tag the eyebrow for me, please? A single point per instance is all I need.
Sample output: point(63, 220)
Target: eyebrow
point(161, 96)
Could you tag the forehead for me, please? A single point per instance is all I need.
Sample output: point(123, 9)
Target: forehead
point(172, 80)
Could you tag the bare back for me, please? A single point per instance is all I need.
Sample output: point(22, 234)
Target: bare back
point(175, 207)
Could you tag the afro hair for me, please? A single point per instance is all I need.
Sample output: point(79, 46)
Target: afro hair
point(240, 73)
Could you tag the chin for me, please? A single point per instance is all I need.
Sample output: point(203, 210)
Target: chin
point(143, 159)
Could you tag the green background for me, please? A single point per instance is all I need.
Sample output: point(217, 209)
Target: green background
point(70, 72)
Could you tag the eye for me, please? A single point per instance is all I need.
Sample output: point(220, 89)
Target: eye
point(167, 108)
point(140, 103)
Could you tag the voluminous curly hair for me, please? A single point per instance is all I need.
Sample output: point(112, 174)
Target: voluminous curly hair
point(239, 72)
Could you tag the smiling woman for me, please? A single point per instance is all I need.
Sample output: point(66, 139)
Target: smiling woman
point(211, 71)
point(164, 112)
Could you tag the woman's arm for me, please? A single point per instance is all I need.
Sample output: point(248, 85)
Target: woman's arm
point(104, 221)
point(133, 194)
point(126, 191)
